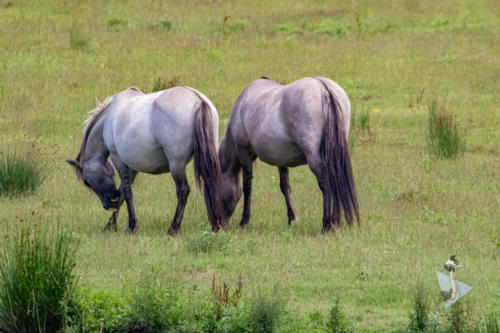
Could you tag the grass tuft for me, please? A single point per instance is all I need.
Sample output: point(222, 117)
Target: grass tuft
point(20, 173)
point(77, 40)
point(36, 281)
point(443, 137)
point(162, 24)
point(206, 242)
point(162, 84)
point(116, 21)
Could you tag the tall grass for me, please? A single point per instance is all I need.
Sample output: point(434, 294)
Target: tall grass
point(36, 282)
point(419, 317)
point(444, 140)
point(20, 173)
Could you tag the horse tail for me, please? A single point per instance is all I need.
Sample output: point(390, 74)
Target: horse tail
point(334, 153)
point(207, 164)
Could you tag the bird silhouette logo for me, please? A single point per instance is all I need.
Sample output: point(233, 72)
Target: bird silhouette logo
point(451, 289)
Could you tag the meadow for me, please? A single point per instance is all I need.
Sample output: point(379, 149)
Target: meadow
point(393, 58)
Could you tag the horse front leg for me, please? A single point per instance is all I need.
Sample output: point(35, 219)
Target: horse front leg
point(247, 193)
point(127, 176)
point(286, 190)
point(182, 190)
point(113, 219)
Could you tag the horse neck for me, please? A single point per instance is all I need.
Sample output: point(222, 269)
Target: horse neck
point(227, 153)
point(96, 147)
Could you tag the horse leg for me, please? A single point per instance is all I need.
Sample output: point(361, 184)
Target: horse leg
point(247, 193)
point(127, 176)
point(319, 170)
point(112, 222)
point(182, 190)
point(286, 190)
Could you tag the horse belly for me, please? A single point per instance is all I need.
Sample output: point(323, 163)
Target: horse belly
point(146, 160)
point(281, 154)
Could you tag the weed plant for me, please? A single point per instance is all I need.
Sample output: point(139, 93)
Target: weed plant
point(443, 138)
point(337, 322)
point(419, 316)
point(20, 173)
point(36, 282)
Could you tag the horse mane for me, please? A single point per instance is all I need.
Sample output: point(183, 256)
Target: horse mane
point(88, 125)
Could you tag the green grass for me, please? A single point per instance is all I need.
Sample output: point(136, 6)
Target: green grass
point(444, 139)
point(36, 281)
point(415, 210)
point(20, 173)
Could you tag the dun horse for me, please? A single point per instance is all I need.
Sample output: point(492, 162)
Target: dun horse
point(306, 121)
point(152, 133)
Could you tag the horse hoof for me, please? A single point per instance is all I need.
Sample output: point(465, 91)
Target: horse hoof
point(172, 232)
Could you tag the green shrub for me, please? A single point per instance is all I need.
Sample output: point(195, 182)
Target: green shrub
point(20, 173)
point(206, 242)
point(443, 137)
point(265, 313)
point(36, 282)
point(99, 310)
point(337, 322)
point(153, 308)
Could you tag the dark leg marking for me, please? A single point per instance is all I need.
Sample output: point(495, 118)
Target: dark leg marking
point(286, 190)
point(320, 171)
point(247, 193)
point(182, 190)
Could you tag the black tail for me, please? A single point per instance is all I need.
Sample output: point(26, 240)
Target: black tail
point(206, 163)
point(335, 155)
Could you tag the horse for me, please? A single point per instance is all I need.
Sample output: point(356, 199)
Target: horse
point(152, 133)
point(306, 121)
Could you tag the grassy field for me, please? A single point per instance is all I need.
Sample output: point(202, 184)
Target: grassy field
point(393, 58)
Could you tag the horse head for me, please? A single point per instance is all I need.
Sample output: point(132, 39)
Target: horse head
point(99, 176)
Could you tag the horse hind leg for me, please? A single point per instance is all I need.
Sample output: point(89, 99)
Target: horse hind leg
point(182, 190)
point(320, 171)
point(286, 190)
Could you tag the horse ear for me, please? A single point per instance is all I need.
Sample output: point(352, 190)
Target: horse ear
point(75, 164)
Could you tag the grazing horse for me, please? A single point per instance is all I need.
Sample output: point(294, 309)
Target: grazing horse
point(152, 133)
point(306, 121)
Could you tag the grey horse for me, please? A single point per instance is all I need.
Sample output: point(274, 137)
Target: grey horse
point(306, 121)
point(152, 133)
